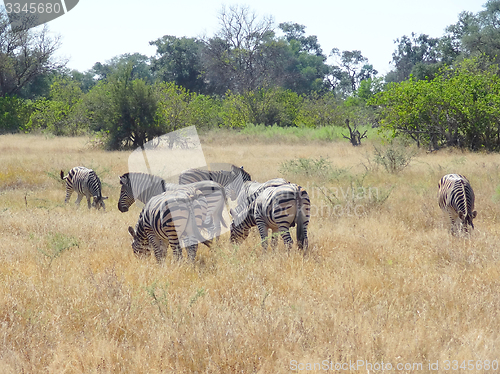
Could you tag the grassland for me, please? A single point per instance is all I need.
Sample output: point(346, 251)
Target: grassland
point(384, 281)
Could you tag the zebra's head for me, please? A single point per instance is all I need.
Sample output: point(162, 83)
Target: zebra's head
point(238, 177)
point(126, 194)
point(99, 202)
point(140, 245)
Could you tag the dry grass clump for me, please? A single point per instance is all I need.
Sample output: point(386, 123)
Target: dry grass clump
point(386, 283)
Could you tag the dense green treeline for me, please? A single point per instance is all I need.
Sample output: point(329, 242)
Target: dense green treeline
point(441, 92)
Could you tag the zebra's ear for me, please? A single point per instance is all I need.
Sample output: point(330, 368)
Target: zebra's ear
point(474, 214)
point(461, 215)
point(131, 231)
point(104, 197)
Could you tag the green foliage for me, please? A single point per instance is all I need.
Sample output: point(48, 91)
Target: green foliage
point(273, 106)
point(61, 114)
point(177, 61)
point(173, 107)
point(460, 107)
point(234, 111)
point(394, 158)
point(14, 113)
point(134, 108)
point(320, 110)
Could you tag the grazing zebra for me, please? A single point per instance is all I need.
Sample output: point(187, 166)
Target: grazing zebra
point(456, 197)
point(278, 209)
point(144, 186)
point(174, 217)
point(232, 180)
point(84, 182)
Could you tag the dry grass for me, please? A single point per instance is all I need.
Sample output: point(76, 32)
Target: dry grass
point(390, 285)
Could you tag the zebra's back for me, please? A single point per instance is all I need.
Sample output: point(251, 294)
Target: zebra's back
point(232, 180)
point(252, 189)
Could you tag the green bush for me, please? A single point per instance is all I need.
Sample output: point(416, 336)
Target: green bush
point(14, 113)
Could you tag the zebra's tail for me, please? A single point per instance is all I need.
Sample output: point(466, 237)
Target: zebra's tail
point(62, 175)
point(300, 220)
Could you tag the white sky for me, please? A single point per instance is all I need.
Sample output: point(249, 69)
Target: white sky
point(96, 30)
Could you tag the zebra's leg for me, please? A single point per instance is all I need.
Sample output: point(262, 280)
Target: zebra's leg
point(287, 238)
point(274, 239)
point(89, 202)
point(453, 228)
point(78, 199)
point(164, 248)
point(69, 192)
point(156, 243)
point(177, 250)
point(191, 251)
point(263, 229)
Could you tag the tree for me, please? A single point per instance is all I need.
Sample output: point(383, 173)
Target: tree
point(234, 58)
point(61, 113)
point(477, 34)
point(351, 69)
point(136, 65)
point(177, 60)
point(460, 107)
point(417, 55)
point(305, 64)
point(135, 105)
point(308, 44)
point(25, 56)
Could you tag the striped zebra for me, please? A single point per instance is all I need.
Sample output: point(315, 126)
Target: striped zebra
point(456, 197)
point(172, 217)
point(278, 209)
point(84, 182)
point(232, 180)
point(144, 186)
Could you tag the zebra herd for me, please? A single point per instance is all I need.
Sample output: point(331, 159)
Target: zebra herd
point(174, 214)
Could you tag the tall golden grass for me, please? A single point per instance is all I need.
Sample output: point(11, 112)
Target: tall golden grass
point(387, 285)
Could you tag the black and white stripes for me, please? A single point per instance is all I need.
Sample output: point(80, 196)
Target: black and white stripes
point(84, 182)
point(174, 217)
point(232, 180)
point(456, 197)
point(277, 208)
point(143, 187)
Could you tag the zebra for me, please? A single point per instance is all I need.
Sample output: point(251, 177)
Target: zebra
point(232, 180)
point(456, 197)
point(144, 186)
point(84, 182)
point(172, 216)
point(276, 208)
